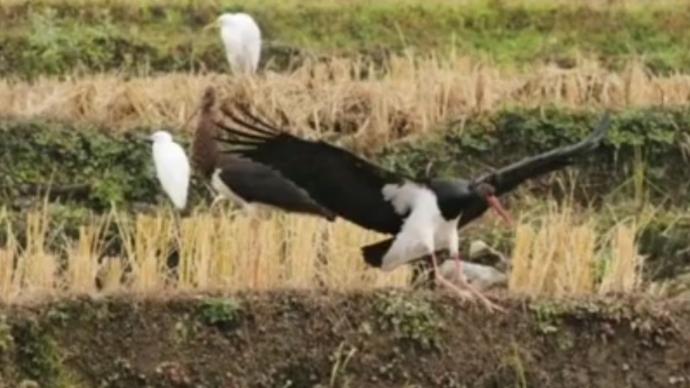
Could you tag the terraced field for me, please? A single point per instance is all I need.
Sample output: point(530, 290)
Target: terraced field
point(103, 284)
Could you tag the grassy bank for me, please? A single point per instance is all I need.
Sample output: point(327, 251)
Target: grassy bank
point(386, 339)
point(55, 37)
point(94, 167)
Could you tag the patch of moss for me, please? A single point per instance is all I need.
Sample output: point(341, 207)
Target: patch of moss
point(223, 313)
point(37, 354)
point(547, 317)
point(412, 320)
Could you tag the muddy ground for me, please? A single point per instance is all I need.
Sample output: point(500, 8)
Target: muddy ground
point(307, 339)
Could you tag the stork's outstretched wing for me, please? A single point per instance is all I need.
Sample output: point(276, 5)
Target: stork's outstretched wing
point(508, 178)
point(336, 179)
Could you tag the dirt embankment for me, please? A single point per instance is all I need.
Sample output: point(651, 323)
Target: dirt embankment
point(306, 339)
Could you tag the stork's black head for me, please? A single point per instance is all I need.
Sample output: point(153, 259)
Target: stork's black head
point(487, 192)
point(483, 189)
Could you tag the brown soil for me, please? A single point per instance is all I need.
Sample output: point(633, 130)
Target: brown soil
point(307, 339)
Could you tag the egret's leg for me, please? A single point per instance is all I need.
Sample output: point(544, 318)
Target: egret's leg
point(440, 279)
point(467, 286)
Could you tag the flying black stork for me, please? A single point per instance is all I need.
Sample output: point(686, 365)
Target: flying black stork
point(240, 179)
point(423, 214)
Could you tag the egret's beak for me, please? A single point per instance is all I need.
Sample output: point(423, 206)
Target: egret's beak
point(144, 138)
point(209, 26)
point(494, 203)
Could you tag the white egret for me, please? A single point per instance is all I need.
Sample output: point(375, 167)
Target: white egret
point(172, 167)
point(242, 40)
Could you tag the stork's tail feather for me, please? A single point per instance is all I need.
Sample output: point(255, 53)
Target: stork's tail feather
point(373, 253)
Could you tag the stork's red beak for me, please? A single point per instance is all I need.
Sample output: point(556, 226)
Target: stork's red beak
point(493, 201)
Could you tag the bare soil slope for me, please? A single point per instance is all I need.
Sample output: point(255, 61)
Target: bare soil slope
point(306, 339)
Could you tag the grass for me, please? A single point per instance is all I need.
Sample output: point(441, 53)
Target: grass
point(562, 254)
point(412, 97)
point(554, 253)
point(56, 37)
point(223, 251)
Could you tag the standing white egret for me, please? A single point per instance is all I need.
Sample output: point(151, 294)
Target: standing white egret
point(242, 40)
point(172, 167)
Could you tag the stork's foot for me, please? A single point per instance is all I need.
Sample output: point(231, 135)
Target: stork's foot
point(467, 287)
point(463, 294)
point(491, 306)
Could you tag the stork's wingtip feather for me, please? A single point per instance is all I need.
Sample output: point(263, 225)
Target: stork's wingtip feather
point(602, 129)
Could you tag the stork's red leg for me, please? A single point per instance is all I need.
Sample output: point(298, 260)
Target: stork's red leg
point(439, 278)
point(466, 285)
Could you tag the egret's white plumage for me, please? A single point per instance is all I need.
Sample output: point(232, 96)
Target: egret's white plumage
point(242, 40)
point(172, 167)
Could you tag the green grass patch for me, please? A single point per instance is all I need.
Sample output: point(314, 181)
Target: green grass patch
point(56, 37)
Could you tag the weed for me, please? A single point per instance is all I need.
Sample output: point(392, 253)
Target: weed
point(37, 352)
point(547, 317)
point(6, 339)
point(338, 372)
point(58, 316)
point(518, 367)
point(223, 313)
point(410, 319)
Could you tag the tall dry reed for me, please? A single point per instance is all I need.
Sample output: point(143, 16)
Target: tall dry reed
point(225, 251)
point(557, 252)
point(562, 253)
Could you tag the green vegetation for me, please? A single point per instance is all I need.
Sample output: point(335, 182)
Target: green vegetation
point(221, 312)
point(55, 37)
point(410, 319)
point(97, 169)
point(37, 355)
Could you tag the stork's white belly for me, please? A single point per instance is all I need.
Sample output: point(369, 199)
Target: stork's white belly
point(424, 231)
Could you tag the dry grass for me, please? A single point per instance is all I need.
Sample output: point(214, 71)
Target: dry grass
point(555, 254)
point(561, 254)
point(412, 97)
point(227, 251)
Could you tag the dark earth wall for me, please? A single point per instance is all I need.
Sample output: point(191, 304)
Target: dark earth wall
point(309, 339)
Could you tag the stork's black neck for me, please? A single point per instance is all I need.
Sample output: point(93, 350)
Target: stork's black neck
point(454, 197)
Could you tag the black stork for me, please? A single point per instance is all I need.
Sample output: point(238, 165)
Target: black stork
point(240, 179)
point(424, 215)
